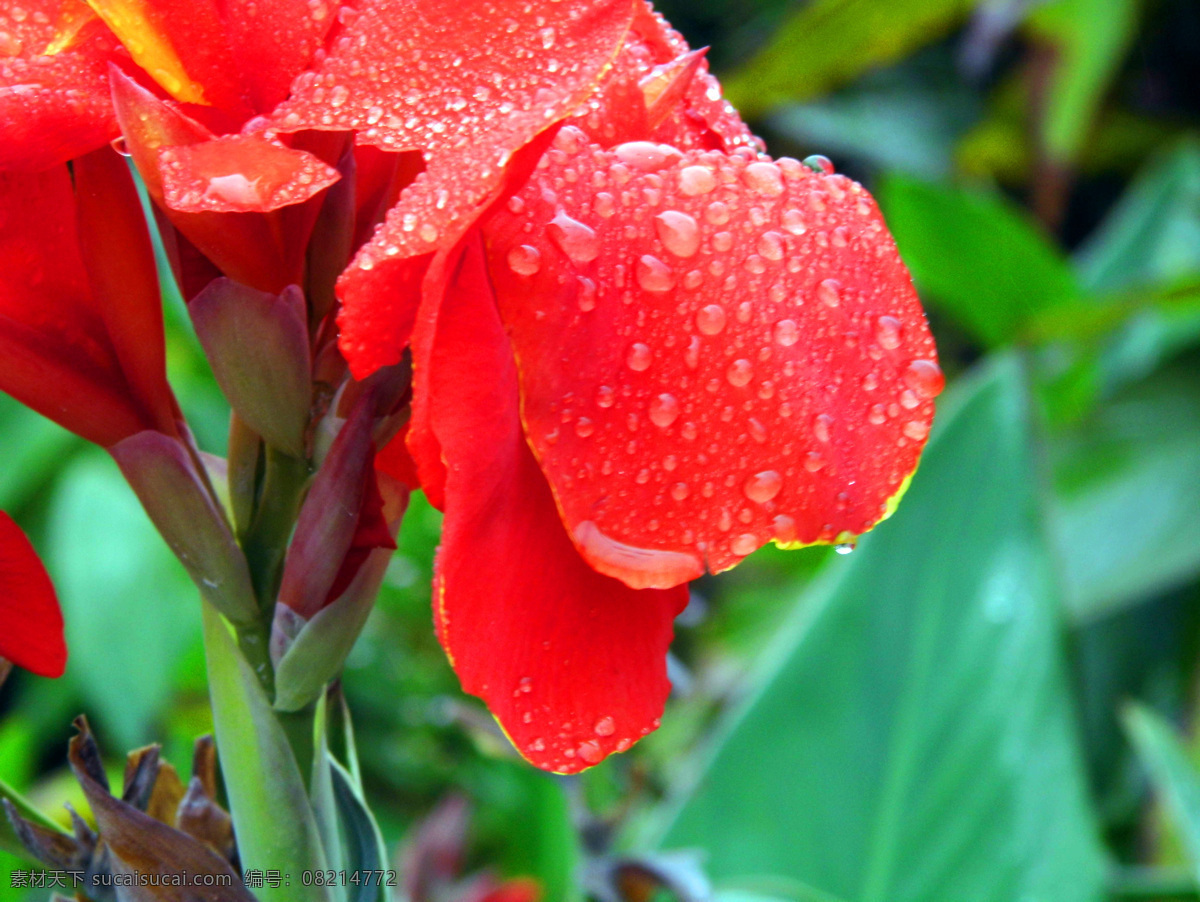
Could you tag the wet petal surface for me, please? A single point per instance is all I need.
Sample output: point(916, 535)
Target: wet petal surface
point(738, 357)
point(571, 662)
point(468, 84)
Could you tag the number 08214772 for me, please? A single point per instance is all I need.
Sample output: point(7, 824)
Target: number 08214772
point(349, 878)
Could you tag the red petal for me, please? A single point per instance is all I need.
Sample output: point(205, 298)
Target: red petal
point(394, 460)
point(31, 625)
point(53, 106)
point(468, 96)
point(714, 351)
point(55, 355)
point(273, 41)
point(572, 663)
point(119, 259)
point(240, 174)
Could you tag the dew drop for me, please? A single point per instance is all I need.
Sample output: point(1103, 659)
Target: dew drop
point(770, 246)
point(762, 487)
point(605, 726)
point(590, 752)
point(916, 429)
point(744, 544)
point(654, 275)
point(678, 232)
point(694, 180)
point(819, 163)
point(691, 356)
point(821, 424)
point(524, 260)
point(646, 155)
point(784, 528)
point(638, 358)
point(575, 239)
point(664, 410)
point(587, 294)
point(605, 396)
point(757, 430)
point(844, 547)
point(830, 292)
point(717, 213)
point(793, 221)
point(688, 432)
point(740, 373)
point(925, 378)
point(765, 178)
point(584, 427)
point(680, 491)
point(887, 332)
point(813, 462)
point(787, 333)
point(710, 319)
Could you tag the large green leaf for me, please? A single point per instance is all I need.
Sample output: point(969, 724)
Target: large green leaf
point(828, 42)
point(1172, 773)
point(120, 589)
point(976, 256)
point(1126, 492)
point(911, 737)
point(272, 816)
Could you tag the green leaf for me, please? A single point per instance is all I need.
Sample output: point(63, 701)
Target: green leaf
point(363, 850)
point(1174, 776)
point(1089, 38)
point(829, 42)
point(1126, 491)
point(8, 838)
point(976, 256)
point(272, 817)
point(910, 737)
point(117, 584)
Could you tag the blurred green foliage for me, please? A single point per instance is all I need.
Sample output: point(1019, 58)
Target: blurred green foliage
point(945, 715)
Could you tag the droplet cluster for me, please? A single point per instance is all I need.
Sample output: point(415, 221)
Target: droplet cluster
point(749, 362)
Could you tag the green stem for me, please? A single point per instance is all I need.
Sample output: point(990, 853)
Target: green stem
point(284, 481)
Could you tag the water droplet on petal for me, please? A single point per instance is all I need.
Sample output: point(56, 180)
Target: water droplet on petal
point(762, 487)
point(575, 239)
point(678, 232)
point(830, 292)
point(639, 356)
point(654, 275)
point(605, 396)
point(744, 544)
point(784, 528)
point(587, 294)
point(844, 547)
point(916, 429)
point(680, 491)
point(821, 424)
point(770, 246)
point(646, 155)
point(695, 180)
point(787, 333)
point(765, 178)
point(605, 726)
point(887, 332)
point(793, 221)
point(584, 427)
point(524, 260)
point(925, 378)
point(819, 163)
point(664, 410)
point(710, 319)
point(590, 752)
point(740, 373)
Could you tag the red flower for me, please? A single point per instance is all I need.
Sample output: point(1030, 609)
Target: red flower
point(641, 349)
point(31, 626)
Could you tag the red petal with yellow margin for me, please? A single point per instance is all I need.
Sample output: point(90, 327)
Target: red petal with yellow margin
point(55, 353)
point(54, 97)
point(468, 84)
point(715, 351)
point(572, 663)
point(31, 625)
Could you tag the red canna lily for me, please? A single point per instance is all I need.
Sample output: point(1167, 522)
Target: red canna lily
point(31, 625)
point(641, 348)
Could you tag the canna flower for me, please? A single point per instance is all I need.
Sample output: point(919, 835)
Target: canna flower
point(31, 625)
point(641, 348)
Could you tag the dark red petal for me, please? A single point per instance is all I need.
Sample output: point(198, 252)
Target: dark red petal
point(468, 96)
point(119, 260)
point(31, 625)
point(53, 106)
point(715, 351)
point(395, 460)
point(55, 354)
point(572, 663)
